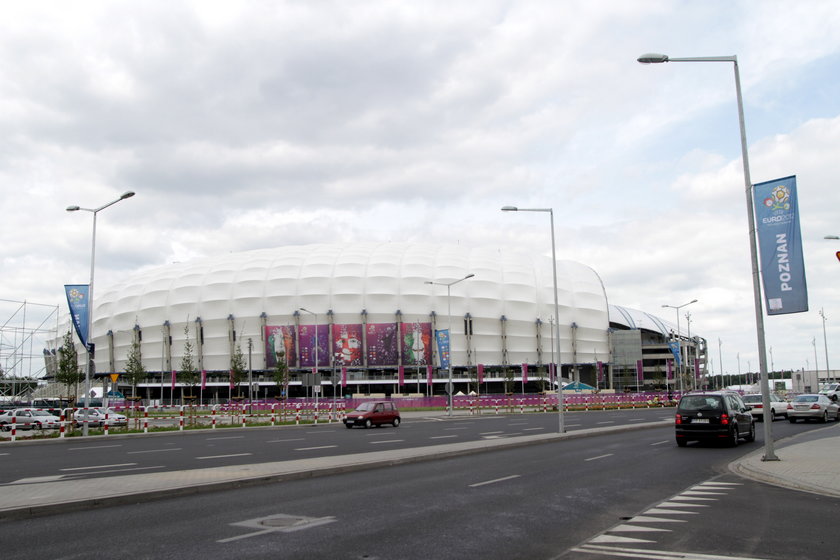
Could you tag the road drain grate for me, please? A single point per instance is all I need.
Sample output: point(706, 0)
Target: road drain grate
point(278, 523)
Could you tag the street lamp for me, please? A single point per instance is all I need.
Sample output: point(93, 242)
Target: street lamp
point(449, 312)
point(317, 388)
point(655, 58)
point(89, 341)
point(825, 343)
point(560, 404)
point(679, 340)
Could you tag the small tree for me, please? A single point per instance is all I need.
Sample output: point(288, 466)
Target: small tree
point(281, 378)
point(188, 371)
point(134, 370)
point(69, 372)
point(237, 368)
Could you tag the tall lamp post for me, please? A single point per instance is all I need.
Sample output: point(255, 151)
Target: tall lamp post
point(317, 379)
point(825, 343)
point(449, 285)
point(560, 403)
point(679, 339)
point(89, 341)
point(651, 58)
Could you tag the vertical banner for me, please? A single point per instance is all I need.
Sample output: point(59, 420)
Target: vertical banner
point(552, 368)
point(696, 369)
point(77, 300)
point(640, 370)
point(416, 343)
point(670, 369)
point(279, 340)
point(347, 344)
point(309, 336)
point(780, 246)
point(675, 350)
point(600, 372)
point(429, 371)
point(401, 370)
point(344, 377)
point(203, 379)
point(524, 373)
point(480, 373)
point(173, 379)
point(442, 337)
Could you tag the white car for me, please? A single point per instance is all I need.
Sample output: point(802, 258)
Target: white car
point(29, 419)
point(96, 417)
point(778, 405)
point(831, 390)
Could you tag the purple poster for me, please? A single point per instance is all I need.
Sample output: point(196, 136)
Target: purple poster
point(347, 344)
point(416, 343)
point(280, 340)
point(308, 337)
point(382, 344)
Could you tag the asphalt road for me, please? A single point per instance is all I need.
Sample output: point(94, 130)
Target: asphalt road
point(555, 500)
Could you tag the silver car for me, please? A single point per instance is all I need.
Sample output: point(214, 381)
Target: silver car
point(96, 417)
point(29, 419)
point(813, 407)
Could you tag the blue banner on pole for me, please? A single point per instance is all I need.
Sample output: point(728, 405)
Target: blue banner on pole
point(674, 346)
point(442, 337)
point(780, 246)
point(77, 299)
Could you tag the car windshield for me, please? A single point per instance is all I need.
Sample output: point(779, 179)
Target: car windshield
point(700, 402)
point(40, 413)
point(806, 398)
point(752, 399)
point(365, 407)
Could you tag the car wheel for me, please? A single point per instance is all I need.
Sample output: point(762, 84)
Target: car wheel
point(368, 423)
point(396, 422)
point(772, 415)
point(5, 427)
point(751, 435)
point(682, 442)
point(824, 418)
point(791, 420)
point(733, 436)
point(348, 426)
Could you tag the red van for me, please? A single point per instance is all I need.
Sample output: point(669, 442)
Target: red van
point(373, 413)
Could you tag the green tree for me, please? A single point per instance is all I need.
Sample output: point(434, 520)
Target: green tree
point(134, 370)
point(281, 378)
point(68, 371)
point(237, 368)
point(188, 372)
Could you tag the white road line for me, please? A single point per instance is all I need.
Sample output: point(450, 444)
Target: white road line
point(282, 440)
point(225, 437)
point(625, 552)
point(153, 451)
point(99, 467)
point(491, 433)
point(455, 428)
point(443, 437)
point(531, 429)
point(599, 457)
point(118, 470)
point(661, 442)
point(607, 422)
point(387, 441)
point(225, 456)
point(313, 448)
point(494, 481)
point(92, 447)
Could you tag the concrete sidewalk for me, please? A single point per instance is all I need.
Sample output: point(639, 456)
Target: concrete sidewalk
point(812, 466)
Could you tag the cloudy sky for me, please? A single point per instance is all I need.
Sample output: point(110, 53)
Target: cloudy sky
point(244, 125)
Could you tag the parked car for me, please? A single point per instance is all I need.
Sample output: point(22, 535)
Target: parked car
point(813, 407)
point(29, 419)
point(373, 413)
point(713, 415)
point(778, 406)
point(831, 390)
point(96, 418)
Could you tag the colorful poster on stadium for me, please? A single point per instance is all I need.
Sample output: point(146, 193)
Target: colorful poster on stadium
point(280, 339)
point(309, 335)
point(416, 343)
point(382, 344)
point(347, 344)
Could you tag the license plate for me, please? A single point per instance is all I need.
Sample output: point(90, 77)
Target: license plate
point(700, 421)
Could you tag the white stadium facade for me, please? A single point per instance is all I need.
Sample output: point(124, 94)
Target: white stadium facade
point(379, 316)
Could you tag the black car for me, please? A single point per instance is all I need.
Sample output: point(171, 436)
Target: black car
point(713, 415)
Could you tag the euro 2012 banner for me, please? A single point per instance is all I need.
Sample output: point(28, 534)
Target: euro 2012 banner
point(345, 344)
point(780, 246)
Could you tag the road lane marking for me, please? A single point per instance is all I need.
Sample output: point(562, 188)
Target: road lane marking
point(531, 429)
point(444, 437)
point(599, 457)
point(225, 456)
point(92, 447)
point(455, 428)
point(661, 442)
point(154, 451)
point(224, 437)
point(313, 448)
point(491, 433)
point(282, 440)
point(387, 441)
point(625, 552)
point(607, 422)
point(477, 484)
point(99, 467)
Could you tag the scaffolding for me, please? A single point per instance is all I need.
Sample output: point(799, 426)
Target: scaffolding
point(27, 332)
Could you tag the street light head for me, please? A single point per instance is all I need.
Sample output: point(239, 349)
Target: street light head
point(692, 301)
point(469, 276)
point(831, 237)
point(509, 209)
point(72, 208)
point(653, 58)
point(126, 194)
